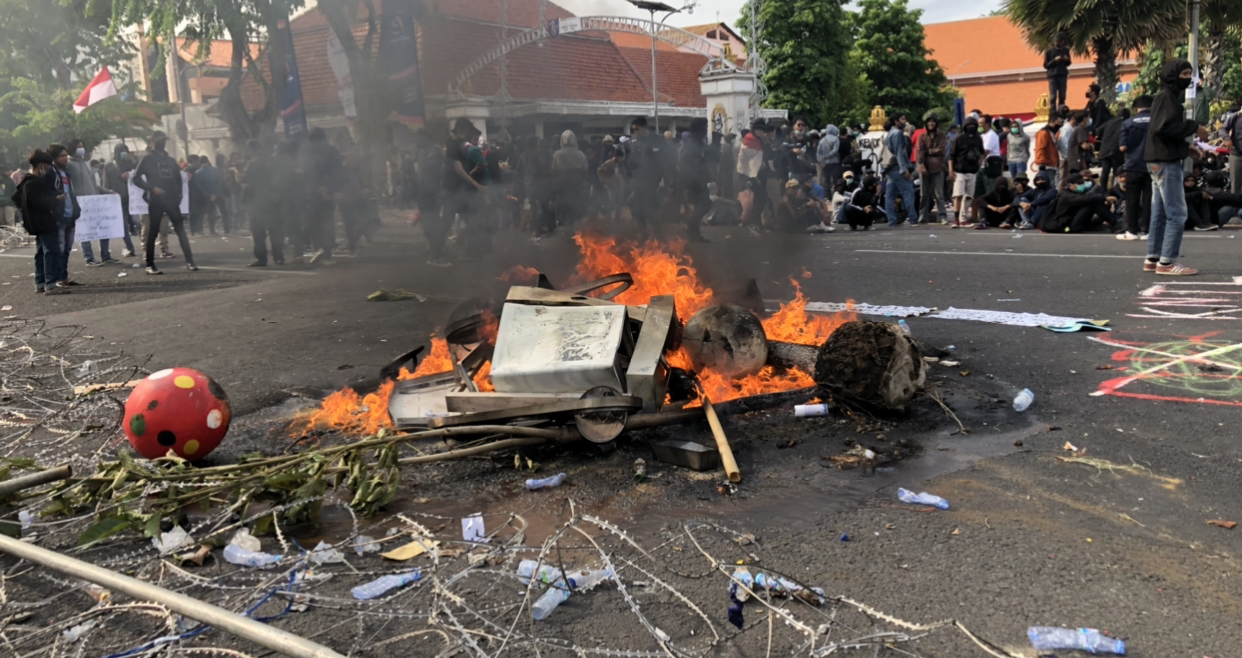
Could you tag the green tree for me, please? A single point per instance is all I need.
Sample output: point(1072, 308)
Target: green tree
point(805, 45)
point(201, 22)
point(374, 98)
point(892, 55)
point(1102, 29)
point(1221, 42)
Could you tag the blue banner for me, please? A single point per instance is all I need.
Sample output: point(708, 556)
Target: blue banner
point(399, 50)
point(292, 109)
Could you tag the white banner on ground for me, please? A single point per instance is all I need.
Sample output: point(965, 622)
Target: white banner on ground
point(139, 207)
point(974, 315)
point(101, 218)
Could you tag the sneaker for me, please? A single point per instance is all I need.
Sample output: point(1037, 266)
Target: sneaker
point(69, 282)
point(911, 222)
point(318, 257)
point(866, 228)
point(1127, 236)
point(153, 270)
point(167, 254)
point(981, 226)
point(1174, 269)
point(944, 222)
point(853, 228)
point(39, 291)
point(1207, 227)
point(754, 230)
point(127, 254)
point(110, 261)
point(93, 263)
point(57, 291)
point(257, 263)
point(191, 267)
point(1149, 266)
point(439, 262)
point(1142, 236)
point(1025, 226)
point(1006, 226)
point(955, 225)
point(279, 262)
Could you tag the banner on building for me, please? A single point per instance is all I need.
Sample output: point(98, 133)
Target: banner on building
point(339, 61)
point(101, 218)
point(292, 110)
point(399, 50)
point(559, 26)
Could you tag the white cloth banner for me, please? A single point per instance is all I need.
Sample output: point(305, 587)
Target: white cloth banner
point(139, 207)
point(973, 315)
point(101, 218)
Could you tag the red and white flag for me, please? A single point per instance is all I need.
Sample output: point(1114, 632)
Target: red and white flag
point(99, 88)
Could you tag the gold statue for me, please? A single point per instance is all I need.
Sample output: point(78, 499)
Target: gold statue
point(1043, 107)
point(878, 117)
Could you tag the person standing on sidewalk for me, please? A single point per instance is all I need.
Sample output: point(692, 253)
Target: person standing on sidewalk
point(36, 198)
point(1132, 144)
point(160, 176)
point(929, 155)
point(898, 173)
point(1165, 150)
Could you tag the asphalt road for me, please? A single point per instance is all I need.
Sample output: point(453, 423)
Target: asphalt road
point(1030, 539)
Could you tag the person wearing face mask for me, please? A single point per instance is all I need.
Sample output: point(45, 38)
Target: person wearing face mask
point(1198, 207)
point(1077, 208)
point(898, 173)
point(1165, 149)
point(929, 154)
point(863, 209)
point(116, 180)
point(160, 177)
point(1019, 148)
point(36, 197)
point(1033, 205)
point(841, 194)
point(1056, 62)
point(1110, 157)
point(1097, 110)
point(998, 207)
point(83, 180)
point(966, 154)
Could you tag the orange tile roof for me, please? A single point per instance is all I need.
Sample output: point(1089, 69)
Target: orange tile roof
point(1019, 98)
point(980, 45)
point(678, 75)
point(702, 30)
point(219, 55)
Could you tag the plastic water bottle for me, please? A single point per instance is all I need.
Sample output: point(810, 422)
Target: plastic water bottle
point(924, 498)
point(1024, 400)
point(246, 558)
point(547, 573)
point(558, 593)
point(383, 584)
point(810, 410)
point(905, 327)
point(546, 483)
point(1086, 639)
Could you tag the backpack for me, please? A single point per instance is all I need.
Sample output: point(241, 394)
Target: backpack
point(886, 156)
point(971, 158)
point(35, 220)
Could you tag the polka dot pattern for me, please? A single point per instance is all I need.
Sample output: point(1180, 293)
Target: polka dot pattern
point(177, 410)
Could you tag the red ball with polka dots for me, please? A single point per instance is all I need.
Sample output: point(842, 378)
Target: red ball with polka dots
point(178, 409)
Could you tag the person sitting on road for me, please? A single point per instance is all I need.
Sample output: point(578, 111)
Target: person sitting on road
point(796, 211)
point(998, 207)
point(841, 193)
point(1225, 205)
point(1077, 208)
point(863, 208)
point(1198, 208)
point(1034, 204)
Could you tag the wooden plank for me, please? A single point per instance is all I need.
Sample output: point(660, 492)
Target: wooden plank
point(647, 376)
point(477, 402)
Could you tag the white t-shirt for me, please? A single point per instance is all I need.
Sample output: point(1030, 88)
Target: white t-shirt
point(991, 142)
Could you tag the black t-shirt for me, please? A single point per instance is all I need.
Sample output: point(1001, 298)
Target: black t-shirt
point(453, 152)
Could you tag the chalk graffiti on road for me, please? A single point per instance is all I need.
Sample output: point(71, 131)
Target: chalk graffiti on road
point(1192, 300)
point(1202, 369)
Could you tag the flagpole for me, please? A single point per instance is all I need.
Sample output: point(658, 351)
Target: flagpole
point(177, 71)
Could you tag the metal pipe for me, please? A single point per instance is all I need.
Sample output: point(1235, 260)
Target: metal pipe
point(35, 479)
point(245, 628)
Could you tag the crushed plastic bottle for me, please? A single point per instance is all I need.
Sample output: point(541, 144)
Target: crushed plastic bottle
point(364, 544)
point(87, 368)
point(558, 593)
point(905, 328)
point(1047, 638)
point(235, 554)
point(244, 539)
point(1024, 400)
point(924, 498)
point(548, 574)
point(74, 634)
point(170, 541)
point(776, 585)
point(546, 483)
point(323, 553)
point(382, 585)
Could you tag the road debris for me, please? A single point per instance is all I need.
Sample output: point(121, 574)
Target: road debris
point(924, 498)
point(1228, 525)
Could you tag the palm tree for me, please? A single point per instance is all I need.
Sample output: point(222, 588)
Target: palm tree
point(1103, 29)
point(1219, 16)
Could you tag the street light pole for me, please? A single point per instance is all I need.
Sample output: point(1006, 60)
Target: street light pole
point(655, 84)
point(1193, 46)
point(652, 7)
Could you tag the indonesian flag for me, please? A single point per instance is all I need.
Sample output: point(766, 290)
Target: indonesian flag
point(99, 88)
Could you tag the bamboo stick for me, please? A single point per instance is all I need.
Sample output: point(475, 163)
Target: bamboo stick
point(15, 485)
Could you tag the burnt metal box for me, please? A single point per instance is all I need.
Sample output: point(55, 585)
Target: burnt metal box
point(687, 454)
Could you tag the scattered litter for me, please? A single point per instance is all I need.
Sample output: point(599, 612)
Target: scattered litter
point(472, 529)
point(364, 544)
point(121, 274)
point(6, 308)
point(640, 469)
point(924, 498)
point(1023, 401)
point(26, 518)
point(951, 348)
point(137, 266)
point(244, 539)
point(1078, 325)
point(384, 584)
point(933, 235)
point(416, 547)
point(394, 295)
point(170, 541)
point(1070, 447)
point(323, 553)
point(845, 537)
point(235, 554)
point(931, 359)
point(1108, 367)
point(950, 364)
point(1227, 525)
point(546, 483)
point(687, 454)
point(810, 410)
point(1017, 236)
point(87, 369)
point(964, 373)
point(743, 584)
point(1045, 638)
point(905, 328)
point(854, 457)
point(197, 557)
point(558, 593)
point(74, 634)
point(1009, 300)
point(98, 593)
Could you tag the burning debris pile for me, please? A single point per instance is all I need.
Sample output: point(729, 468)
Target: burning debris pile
point(637, 341)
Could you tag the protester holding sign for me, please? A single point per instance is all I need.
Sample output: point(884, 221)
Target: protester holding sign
point(83, 180)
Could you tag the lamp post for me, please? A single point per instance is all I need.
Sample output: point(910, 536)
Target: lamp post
point(652, 7)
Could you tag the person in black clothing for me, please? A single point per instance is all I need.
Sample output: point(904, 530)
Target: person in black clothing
point(1198, 208)
point(1165, 150)
point(322, 168)
point(265, 194)
point(116, 179)
point(1056, 63)
point(998, 207)
point(1077, 208)
point(1037, 202)
point(160, 177)
point(1097, 110)
point(1110, 156)
point(1132, 144)
point(647, 168)
point(1214, 190)
point(863, 209)
point(695, 172)
point(36, 198)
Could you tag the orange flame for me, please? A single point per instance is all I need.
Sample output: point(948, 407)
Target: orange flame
point(657, 270)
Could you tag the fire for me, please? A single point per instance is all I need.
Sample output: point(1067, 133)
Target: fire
point(658, 270)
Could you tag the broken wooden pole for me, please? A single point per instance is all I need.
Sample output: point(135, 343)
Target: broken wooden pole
point(268, 637)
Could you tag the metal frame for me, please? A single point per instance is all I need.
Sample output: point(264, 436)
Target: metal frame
point(670, 35)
